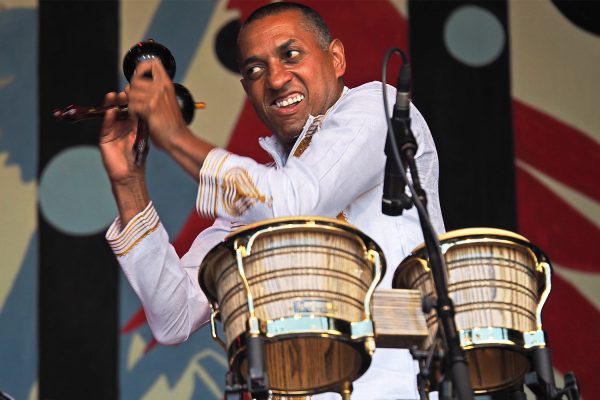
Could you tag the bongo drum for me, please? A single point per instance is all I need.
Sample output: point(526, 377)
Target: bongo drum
point(498, 282)
point(305, 284)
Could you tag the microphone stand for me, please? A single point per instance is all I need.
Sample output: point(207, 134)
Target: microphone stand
point(454, 358)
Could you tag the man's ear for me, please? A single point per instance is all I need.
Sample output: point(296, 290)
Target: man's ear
point(244, 84)
point(336, 50)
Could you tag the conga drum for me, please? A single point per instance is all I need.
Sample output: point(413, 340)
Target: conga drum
point(498, 282)
point(305, 284)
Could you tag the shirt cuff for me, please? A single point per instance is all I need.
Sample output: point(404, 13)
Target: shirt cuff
point(122, 241)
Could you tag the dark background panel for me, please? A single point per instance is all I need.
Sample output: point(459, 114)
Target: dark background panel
point(78, 331)
point(469, 112)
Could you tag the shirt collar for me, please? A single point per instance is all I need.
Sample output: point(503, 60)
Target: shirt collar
point(273, 146)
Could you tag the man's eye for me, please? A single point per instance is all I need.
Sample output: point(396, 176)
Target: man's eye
point(253, 72)
point(292, 53)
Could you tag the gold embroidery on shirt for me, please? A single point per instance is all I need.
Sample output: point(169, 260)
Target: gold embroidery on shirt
point(214, 181)
point(205, 181)
point(149, 231)
point(305, 142)
point(136, 225)
point(239, 193)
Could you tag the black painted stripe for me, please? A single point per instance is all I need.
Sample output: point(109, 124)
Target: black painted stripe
point(78, 296)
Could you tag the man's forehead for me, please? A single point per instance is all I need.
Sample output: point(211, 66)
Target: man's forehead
point(275, 30)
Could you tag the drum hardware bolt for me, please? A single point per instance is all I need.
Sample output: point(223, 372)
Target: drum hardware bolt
point(428, 304)
point(346, 391)
point(370, 345)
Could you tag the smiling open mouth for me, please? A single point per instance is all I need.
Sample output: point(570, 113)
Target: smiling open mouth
point(294, 99)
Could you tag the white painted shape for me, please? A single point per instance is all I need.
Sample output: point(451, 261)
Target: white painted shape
point(75, 194)
point(474, 36)
point(136, 351)
point(555, 65)
point(18, 219)
point(212, 83)
point(587, 283)
point(585, 205)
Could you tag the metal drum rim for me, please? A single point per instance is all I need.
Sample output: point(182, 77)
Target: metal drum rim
point(237, 347)
point(248, 230)
point(471, 234)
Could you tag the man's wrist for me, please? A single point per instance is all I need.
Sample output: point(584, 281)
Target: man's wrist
point(132, 198)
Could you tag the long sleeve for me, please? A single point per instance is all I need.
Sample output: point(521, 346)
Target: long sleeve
point(166, 285)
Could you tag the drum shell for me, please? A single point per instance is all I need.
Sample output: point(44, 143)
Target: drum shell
point(494, 281)
point(296, 269)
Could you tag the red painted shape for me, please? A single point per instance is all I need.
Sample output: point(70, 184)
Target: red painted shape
point(151, 344)
point(561, 232)
point(572, 325)
point(367, 29)
point(138, 319)
point(193, 225)
point(244, 139)
point(557, 149)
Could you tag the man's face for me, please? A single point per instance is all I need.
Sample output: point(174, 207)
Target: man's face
point(286, 73)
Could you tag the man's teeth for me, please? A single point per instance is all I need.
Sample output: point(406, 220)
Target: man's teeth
point(290, 101)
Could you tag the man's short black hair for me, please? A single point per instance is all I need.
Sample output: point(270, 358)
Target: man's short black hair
point(314, 21)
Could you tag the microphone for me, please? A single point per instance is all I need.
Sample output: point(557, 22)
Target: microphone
point(395, 200)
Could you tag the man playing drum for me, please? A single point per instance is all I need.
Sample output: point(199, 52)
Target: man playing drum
point(327, 144)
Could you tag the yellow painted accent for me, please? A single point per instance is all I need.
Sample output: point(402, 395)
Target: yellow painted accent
point(401, 6)
point(33, 392)
point(555, 64)
point(184, 387)
point(135, 19)
point(587, 283)
point(5, 80)
point(4, 4)
point(136, 351)
point(18, 214)
point(585, 205)
point(210, 82)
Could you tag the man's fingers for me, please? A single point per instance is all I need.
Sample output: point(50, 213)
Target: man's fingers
point(122, 98)
point(110, 98)
point(158, 70)
point(142, 68)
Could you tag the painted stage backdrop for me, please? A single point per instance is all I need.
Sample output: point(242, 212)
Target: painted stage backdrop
point(516, 124)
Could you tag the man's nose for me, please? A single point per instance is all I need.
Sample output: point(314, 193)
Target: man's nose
point(278, 76)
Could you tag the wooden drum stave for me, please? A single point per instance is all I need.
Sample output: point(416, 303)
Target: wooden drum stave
point(305, 284)
point(498, 282)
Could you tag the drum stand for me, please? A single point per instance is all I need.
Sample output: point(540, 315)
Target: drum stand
point(541, 380)
point(257, 384)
